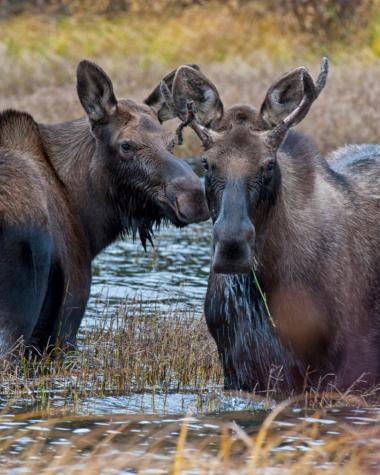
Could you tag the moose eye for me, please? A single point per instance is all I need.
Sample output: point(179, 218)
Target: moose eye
point(205, 163)
point(126, 147)
point(270, 166)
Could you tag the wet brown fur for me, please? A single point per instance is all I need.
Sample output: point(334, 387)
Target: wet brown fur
point(316, 239)
point(66, 192)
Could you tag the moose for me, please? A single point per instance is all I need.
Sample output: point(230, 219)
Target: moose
point(293, 298)
point(70, 189)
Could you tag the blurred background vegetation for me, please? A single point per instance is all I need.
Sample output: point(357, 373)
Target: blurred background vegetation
point(242, 45)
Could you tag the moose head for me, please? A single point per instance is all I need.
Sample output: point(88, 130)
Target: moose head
point(145, 182)
point(241, 144)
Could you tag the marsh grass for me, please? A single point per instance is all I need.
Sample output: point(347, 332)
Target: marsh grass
point(119, 354)
point(139, 352)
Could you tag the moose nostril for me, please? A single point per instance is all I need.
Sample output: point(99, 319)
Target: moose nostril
point(232, 257)
point(233, 247)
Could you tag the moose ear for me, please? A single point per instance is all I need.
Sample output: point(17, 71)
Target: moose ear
point(284, 96)
point(95, 91)
point(191, 86)
point(160, 99)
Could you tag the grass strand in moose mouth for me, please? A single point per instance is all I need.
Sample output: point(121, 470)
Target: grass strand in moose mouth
point(263, 296)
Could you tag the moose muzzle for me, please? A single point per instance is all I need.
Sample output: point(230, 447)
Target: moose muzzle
point(185, 195)
point(234, 234)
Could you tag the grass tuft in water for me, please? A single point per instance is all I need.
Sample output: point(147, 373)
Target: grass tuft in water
point(120, 354)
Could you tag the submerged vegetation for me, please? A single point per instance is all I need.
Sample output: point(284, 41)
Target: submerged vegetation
point(287, 440)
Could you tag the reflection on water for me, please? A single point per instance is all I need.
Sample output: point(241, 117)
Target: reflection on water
point(174, 272)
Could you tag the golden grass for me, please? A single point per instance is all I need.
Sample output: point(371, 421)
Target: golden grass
point(283, 444)
point(242, 50)
point(346, 112)
point(214, 31)
point(211, 33)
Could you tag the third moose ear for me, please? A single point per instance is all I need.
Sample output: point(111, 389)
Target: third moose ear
point(289, 100)
point(191, 85)
point(285, 95)
point(157, 100)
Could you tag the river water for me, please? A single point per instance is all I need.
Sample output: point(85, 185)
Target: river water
point(174, 272)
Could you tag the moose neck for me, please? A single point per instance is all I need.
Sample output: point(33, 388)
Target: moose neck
point(283, 229)
point(71, 149)
point(235, 307)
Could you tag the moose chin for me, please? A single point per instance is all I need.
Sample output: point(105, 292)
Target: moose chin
point(67, 191)
point(293, 296)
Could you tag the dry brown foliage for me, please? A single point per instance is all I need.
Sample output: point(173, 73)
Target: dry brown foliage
point(347, 112)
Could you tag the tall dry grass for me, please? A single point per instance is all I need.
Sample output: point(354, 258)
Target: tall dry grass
point(241, 49)
point(283, 444)
point(348, 111)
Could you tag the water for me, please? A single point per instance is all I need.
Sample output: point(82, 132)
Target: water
point(139, 432)
point(174, 272)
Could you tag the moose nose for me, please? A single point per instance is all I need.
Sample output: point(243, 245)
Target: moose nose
point(186, 195)
point(192, 206)
point(233, 248)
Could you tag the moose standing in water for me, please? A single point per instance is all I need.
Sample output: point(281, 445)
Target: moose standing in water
point(70, 189)
point(305, 227)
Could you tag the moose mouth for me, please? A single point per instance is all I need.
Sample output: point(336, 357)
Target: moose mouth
point(172, 212)
point(184, 209)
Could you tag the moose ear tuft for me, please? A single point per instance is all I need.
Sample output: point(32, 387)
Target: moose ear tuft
point(95, 91)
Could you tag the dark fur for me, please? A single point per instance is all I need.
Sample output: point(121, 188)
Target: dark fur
point(66, 192)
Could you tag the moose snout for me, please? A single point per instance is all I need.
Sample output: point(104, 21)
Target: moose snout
point(183, 200)
point(187, 198)
point(233, 248)
point(191, 206)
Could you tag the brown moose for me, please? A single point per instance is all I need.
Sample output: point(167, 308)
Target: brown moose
point(67, 191)
point(307, 226)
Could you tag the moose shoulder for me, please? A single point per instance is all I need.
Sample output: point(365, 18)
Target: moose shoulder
point(70, 189)
point(307, 225)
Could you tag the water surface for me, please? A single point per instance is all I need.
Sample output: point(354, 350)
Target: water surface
point(174, 272)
